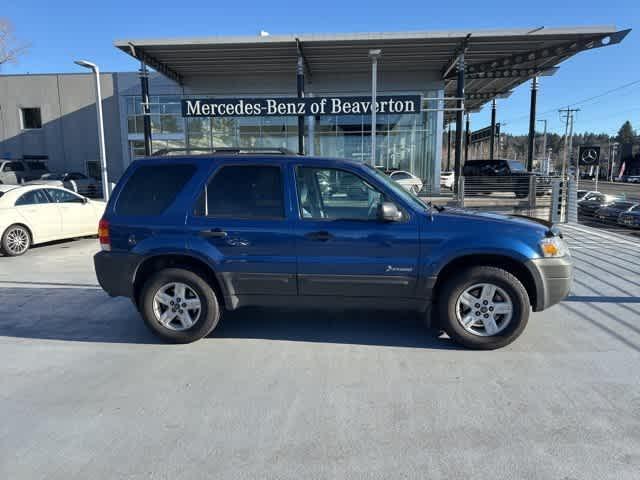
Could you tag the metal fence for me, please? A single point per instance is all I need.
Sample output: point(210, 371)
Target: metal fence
point(529, 195)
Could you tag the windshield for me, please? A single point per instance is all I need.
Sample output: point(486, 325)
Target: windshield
point(397, 189)
point(51, 176)
point(516, 166)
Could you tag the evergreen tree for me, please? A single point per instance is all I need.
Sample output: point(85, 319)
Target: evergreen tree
point(626, 134)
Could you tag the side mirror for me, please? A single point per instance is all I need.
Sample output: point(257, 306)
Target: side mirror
point(85, 200)
point(388, 212)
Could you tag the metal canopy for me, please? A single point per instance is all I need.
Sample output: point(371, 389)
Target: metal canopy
point(496, 61)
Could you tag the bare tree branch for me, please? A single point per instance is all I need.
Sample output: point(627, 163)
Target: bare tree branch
point(10, 47)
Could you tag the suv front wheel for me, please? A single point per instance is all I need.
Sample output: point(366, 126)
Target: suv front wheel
point(179, 306)
point(483, 308)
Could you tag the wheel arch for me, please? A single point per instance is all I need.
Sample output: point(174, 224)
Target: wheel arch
point(21, 224)
point(517, 268)
point(155, 263)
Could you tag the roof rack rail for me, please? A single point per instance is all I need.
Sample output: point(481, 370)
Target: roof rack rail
point(223, 150)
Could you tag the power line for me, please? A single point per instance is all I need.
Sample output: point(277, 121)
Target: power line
point(621, 87)
point(608, 92)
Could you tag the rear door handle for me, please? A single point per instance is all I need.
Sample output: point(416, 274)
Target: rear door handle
point(213, 233)
point(321, 236)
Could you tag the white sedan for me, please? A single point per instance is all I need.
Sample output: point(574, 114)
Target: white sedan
point(407, 180)
point(31, 214)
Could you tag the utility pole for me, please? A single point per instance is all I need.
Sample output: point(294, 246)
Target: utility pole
point(567, 115)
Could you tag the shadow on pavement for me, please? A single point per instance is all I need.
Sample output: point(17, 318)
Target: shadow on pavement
point(358, 327)
point(89, 315)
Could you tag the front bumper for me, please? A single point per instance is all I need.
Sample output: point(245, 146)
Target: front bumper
point(115, 272)
point(553, 277)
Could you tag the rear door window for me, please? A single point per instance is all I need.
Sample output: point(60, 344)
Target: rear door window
point(152, 189)
point(244, 191)
point(33, 197)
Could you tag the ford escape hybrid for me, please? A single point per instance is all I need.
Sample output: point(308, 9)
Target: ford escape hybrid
point(188, 237)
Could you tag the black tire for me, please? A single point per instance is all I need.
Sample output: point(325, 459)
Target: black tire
point(209, 310)
point(454, 287)
point(5, 246)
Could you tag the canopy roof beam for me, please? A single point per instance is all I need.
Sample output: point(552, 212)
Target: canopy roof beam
point(152, 62)
point(547, 53)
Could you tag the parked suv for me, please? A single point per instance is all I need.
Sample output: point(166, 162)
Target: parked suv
point(188, 237)
point(15, 172)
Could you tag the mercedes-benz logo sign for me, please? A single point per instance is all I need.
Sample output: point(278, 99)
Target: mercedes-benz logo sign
point(589, 156)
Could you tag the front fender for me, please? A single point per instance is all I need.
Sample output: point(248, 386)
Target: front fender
point(512, 248)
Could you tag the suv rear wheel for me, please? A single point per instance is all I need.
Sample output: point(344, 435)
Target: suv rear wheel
point(484, 308)
point(179, 306)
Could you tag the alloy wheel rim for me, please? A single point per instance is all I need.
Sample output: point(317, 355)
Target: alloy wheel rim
point(17, 241)
point(176, 306)
point(484, 309)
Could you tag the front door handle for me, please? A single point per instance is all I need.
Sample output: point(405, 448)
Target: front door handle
point(214, 233)
point(321, 236)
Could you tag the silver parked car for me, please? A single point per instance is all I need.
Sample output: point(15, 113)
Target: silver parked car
point(74, 181)
point(15, 172)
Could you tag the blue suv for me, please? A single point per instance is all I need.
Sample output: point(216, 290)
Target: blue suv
point(187, 237)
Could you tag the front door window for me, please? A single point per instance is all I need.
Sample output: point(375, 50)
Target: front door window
point(334, 194)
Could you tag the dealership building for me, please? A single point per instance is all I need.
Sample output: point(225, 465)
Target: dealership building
point(306, 93)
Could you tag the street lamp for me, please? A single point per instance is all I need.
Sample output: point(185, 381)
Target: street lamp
point(374, 55)
point(101, 147)
point(545, 161)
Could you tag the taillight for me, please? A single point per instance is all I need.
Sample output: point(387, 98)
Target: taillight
point(103, 235)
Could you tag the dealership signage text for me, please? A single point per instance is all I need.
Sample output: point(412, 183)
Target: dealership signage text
point(248, 107)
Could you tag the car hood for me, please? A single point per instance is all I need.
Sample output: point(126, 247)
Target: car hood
point(500, 221)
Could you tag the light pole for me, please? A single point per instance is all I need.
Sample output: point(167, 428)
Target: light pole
point(544, 168)
point(374, 55)
point(613, 159)
point(101, 147)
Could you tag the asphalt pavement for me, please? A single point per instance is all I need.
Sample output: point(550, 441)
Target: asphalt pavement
point(87, 392)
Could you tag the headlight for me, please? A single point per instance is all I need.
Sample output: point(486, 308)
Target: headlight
point(553, 247)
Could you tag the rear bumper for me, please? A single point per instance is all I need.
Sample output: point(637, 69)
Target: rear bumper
point(115, 272)
point(553, 278)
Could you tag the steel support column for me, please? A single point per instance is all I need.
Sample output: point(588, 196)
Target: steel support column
point(300, 85)
point(532, 123)
point(448, 147)
point(492, 141)
point(459, 111)
point(467, 140)
point(146, 109)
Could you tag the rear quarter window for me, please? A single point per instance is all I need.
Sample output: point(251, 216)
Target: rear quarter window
point(150, 190)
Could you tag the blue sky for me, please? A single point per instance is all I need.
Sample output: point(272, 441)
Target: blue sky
point(64, 30)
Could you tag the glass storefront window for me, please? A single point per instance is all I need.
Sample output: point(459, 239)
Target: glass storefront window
point(406, 142)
